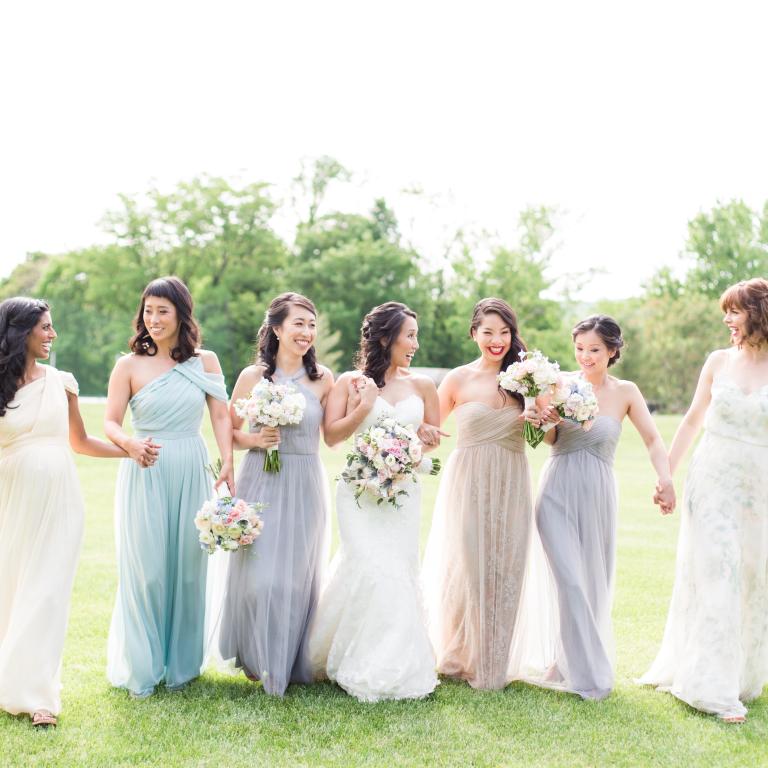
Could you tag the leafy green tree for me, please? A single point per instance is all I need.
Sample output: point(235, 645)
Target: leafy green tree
point(728, 244)
point(25, 278)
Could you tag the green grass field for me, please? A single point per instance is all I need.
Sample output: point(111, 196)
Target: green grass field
point(228, 721)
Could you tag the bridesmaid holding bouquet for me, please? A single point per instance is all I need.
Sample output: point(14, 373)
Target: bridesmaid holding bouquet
point(158, 623)
point(272, 586)
point(477, 550)
point(41, 509)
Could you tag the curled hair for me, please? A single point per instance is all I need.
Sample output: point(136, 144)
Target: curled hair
point(500, 307)
point(267, 342)
point(190, 338)
point(381, 326)
point(607, 329)
point(751, 297)
point(18, 316)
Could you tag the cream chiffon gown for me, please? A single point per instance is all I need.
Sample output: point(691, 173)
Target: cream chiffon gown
point(41, 526)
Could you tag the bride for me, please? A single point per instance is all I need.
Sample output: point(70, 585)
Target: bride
point(370, 635)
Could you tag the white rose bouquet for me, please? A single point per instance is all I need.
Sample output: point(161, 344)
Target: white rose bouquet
point(534, 375)
point(228, 524)
point(272, 405)
point(384, 456)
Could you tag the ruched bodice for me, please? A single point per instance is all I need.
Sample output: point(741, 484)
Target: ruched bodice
point(479, 424)
point(735, 414)
point(302, 438)
point(600, 441)
point(172, 404)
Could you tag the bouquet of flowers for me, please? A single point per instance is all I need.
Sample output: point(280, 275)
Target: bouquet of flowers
point(384, 456)
point(532, 376)
point(272, 405)
point(228, 524)
point(575, 400)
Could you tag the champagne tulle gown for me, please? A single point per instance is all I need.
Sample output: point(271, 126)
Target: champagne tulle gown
point(370, 635)
point(272, 586)
point(158, 621)
point(476, 555)
point(714, 654)
point(41, 526)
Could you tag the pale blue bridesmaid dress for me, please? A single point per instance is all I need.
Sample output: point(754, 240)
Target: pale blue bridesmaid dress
point(157, 625)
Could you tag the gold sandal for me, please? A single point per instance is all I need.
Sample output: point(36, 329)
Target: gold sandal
point(43, 718)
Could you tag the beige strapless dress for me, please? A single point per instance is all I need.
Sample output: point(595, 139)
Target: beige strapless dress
point(477, 549)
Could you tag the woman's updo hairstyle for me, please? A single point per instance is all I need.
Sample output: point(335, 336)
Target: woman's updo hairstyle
point(607, 329)
point(381, 327)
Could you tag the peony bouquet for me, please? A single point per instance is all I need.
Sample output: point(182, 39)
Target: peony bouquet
point(228, 524)
point(272, 405)
point(575, 401)
point(384, 456)
point(532, 376)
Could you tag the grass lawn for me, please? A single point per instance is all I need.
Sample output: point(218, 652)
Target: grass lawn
point(228, 721)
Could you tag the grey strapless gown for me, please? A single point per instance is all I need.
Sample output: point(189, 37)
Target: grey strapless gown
point(272, 585)
point(576, 521)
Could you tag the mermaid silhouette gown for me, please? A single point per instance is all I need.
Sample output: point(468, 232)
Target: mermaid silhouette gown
point(370, 635)
point(157, 625)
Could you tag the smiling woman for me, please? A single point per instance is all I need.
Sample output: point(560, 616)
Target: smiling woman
point(41, 509)
point(157, 625)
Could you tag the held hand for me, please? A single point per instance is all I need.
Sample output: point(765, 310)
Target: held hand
point(430, 435)
point(367, 389)
point(143, 452)
point(665, 497)
point(550, 415)
point(226, 477)
point(266, 438)
point(532, 415)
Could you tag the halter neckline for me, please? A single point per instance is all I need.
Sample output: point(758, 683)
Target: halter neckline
point(300, 374)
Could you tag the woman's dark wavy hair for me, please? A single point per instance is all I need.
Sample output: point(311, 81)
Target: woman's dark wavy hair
point(190, 338)
point(751, 297)
point(267, 343)
point(607, 329)
point(18, 316)
point(381, 326)
point(500, 307)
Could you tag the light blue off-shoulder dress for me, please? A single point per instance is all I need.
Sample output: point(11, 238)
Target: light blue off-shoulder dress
point(157, 625)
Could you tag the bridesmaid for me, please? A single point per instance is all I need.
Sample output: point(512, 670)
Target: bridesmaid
point(576, 520)
point(477, 549)
point(157, 625)
point(714, 655)
point(272, 586)
point(41, 509)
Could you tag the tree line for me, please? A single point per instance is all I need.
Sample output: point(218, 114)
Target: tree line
point(219, 238)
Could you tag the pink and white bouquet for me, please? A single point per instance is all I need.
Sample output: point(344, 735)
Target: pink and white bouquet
point(272, 405)
point(228, 524)
point(383, 458)
point(534, 375)
point(575, 400)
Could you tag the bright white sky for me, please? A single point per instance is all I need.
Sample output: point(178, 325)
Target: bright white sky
point(630, 118)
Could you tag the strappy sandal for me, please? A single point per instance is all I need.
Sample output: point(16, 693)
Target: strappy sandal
point(733, 719)
point(43, 718)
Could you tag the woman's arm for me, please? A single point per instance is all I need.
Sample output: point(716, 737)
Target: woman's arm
point(81, 441)
point(429, 431)
point(691, 424)
point(143, 452)
point(640, 416)
point(222, 426)
point(349, 402)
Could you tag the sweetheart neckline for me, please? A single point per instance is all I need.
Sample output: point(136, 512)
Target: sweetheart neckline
point(393, 406)
point(723, 380)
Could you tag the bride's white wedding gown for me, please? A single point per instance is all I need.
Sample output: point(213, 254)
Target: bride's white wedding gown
point(370, 633)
